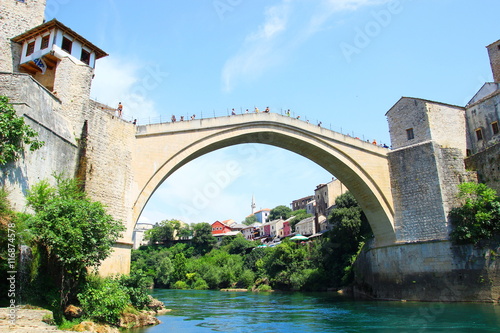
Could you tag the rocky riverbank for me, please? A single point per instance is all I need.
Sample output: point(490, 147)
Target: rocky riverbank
point(24, 320)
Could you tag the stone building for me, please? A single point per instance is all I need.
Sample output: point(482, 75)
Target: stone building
point(139, 233)
point(17, 17)
point(483, 135)
point(426, 165)
point(301, 203)
point(325, 195)
point(46, 71)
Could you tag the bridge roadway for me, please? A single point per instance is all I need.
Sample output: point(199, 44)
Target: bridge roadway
point(161, 149)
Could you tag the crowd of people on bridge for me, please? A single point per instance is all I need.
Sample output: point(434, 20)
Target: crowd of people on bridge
point(286, 112)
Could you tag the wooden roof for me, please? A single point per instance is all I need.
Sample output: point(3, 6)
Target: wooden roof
point(47, 26)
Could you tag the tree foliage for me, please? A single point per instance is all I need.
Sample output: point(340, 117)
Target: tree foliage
point(103, 299)
point(203, 240)
point(350, 228)
point(15, 134)
point(479, 216)
point(299, 215)
point(249, 220)
point(237, 262)
point(75, 231)
point(278, 212)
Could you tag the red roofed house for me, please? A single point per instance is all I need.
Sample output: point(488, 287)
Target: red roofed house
point(220, 228)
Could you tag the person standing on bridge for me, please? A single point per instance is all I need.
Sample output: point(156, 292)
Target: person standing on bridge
point(233, 113)
point(288, 112)
point(267, 110)
point(119, 109)
point(257, 110)
point(173, 118)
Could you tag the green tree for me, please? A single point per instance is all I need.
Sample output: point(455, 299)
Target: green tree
point(299, 215)
point(350, 228)
point(479, 216)
point(249, 220)
point(75, 231)
point(203, 240)
point(103, 299)
point(179, 267)
point(162, 233)
point(280, 212)
point(185, 232)
point(14, 134)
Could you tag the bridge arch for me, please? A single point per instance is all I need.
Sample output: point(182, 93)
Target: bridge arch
point(360, 166)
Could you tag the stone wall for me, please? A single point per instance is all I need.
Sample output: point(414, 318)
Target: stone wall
point(430, 271)
point(105, 159)
point(487, 165)
point(16, 18)
point(428, 120)
point(481, 115)
point(494, 54)
point(109, 160)
point(72, 86)
point(417, 193)
point(59, 153)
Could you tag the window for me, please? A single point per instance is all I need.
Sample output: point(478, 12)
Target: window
point(45, 41)
point(479, 134)
point(85, 57)
point(494, 127)
point(30, 49)
point(409, 134)
point(67, 45)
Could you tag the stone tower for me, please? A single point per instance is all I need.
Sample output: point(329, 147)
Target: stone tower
point(494, 54)
point(426, 165)
point(16, 17)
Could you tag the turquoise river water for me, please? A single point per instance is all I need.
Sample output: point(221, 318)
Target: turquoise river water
point(215, 311)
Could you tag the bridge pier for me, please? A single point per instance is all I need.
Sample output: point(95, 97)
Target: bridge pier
point(429, 271)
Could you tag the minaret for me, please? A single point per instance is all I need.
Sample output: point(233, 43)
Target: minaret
point(253, 205)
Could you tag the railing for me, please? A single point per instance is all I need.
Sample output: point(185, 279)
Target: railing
point(229, 112)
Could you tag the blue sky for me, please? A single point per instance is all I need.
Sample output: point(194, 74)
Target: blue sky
point(341, 62)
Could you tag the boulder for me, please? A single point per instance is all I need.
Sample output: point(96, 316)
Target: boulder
point(72, 311)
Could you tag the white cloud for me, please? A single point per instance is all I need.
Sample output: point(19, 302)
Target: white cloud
point(117, 80)
point(280, 34)
point(259, 51)
point(343, 5)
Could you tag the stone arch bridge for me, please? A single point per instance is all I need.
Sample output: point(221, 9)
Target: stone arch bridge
point(160, 149)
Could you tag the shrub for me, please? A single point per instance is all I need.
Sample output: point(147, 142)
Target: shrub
point(264, 288)
point(478, 218)
point(180, 285)
point(246, 279)
point(137, 285)
point(200, 284)
point(103, 299)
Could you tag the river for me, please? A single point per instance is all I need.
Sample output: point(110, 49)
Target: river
point(215, 311)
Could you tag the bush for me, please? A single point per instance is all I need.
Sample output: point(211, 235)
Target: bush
point(478, 218)
point(103, 299)
point(264, 288)
point(180, 285)
point(137, 285)
point(246, 279)
point(200, 284)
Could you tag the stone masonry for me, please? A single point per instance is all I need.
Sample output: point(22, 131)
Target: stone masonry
point(494, 54)
point(426, 166)
point(26, 15)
